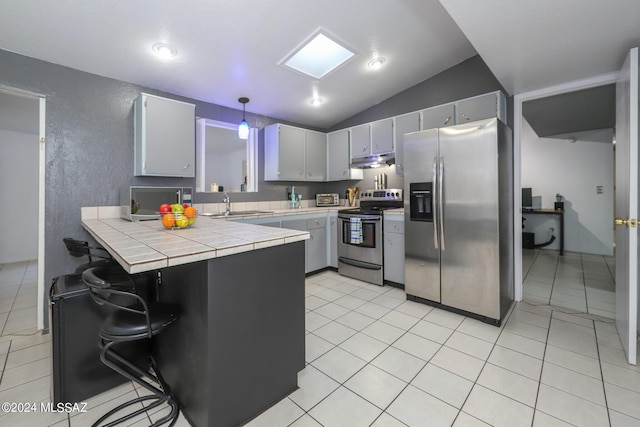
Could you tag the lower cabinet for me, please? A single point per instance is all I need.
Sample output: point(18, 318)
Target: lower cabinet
point(394, 248)
point(317, 243)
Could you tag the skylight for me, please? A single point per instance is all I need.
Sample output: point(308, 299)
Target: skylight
point(318, 57)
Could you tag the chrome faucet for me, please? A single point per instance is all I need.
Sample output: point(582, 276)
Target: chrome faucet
point(227, 204)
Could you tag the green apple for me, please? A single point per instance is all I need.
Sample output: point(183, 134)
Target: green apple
point(177, 208)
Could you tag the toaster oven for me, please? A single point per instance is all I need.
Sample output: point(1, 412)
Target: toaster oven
point(327, 199)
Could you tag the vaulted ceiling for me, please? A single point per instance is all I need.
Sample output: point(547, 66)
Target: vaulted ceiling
point(231, 48)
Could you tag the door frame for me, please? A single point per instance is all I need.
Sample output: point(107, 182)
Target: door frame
point(41, 195)
point(600, 80)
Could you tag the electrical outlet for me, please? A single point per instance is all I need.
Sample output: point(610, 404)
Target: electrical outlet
point(600, 189)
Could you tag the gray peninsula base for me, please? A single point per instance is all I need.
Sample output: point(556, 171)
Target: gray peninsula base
point(239, 343)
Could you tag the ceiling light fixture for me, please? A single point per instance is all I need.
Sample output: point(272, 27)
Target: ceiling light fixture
point(376, 63)
point(164, 50)
point(243, 127)
point(316, 101)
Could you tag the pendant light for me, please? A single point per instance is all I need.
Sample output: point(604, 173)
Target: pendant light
point(243, 127)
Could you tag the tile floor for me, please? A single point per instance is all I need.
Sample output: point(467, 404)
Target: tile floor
point(583, 283)
point(375, 359)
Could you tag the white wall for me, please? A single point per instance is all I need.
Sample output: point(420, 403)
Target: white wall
point(574, 170)
point(19, 192)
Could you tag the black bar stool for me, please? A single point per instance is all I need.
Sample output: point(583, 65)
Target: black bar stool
point(80, 248)
point(134, 319)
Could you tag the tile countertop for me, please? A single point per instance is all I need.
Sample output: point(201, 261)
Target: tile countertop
point(146, 245)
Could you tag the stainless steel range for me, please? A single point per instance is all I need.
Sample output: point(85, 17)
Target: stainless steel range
point(360, 253)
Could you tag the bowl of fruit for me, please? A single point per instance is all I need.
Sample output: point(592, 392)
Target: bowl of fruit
point(177, 216)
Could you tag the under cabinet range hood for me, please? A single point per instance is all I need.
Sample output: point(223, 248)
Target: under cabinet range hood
point(373, 161)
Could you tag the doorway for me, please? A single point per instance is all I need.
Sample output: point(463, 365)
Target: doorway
point(22, 185)
point(540, 271)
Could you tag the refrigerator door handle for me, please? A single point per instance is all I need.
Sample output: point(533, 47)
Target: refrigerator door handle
point(441, 201)
point(435, 216)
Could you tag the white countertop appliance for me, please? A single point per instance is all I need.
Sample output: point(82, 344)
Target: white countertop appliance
point(327, 199)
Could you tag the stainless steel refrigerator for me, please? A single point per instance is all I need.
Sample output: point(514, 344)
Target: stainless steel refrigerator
point(458, 187)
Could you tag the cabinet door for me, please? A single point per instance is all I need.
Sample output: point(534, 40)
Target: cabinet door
point(291, 143)
point(404, 124)
point(437, 117)
point(382, 136)
point(315, 156)
point(338, 155)
point(317, 249)
point(361, 140)
point(477, 108)
point(394, 257)
point(165, 137)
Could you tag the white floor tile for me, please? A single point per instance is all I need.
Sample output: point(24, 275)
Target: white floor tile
point(334, 332)
point(458, 363)
point(444, 318)
point(470, 345)
point(432, 331)
point(417, 346)
point(376, 386)
point(383, 332)
point(508, 383)
point(622, 400)
point(313, 387)
point(339, 364)
point(345, 408)
point(466, 420)
point(514, 361)
point(540, 419)
point(621, 420)
point(386, 420)
point(443, 384)
point(355, 320)
point(282, 413)
point(521, 344)
point(412, 404)
point(398, 363)
point(478, 329)
point(306, 421)
point(575, 361)
point(364, 346)
point(571, 408)
point(315, 347)
point(497, 410)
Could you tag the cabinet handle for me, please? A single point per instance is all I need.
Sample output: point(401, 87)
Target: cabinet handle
point(144, 165)
point(186, 166)
point(447, 121)
point(465, 116)
point(344, 173)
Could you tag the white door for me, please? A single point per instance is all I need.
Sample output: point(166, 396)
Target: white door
point(627, 204)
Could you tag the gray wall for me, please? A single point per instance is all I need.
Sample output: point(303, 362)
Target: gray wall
point(89, 138)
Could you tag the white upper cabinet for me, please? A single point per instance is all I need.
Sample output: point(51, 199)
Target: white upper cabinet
point(164, 137)
point(482, 107)
point(338, 157)
point(283, 153)
point(294, 154)
point(372, 138)
point(406, 123)
point(315, 155)
point(382, 136)
point(361, 140)
point(437, 117)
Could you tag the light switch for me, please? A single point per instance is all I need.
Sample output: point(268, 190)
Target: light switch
point(600, 189)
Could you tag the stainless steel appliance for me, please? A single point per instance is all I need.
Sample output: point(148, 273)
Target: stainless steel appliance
point(458, 219)
point(141, 203)
point(328, 199)
point(360, 243)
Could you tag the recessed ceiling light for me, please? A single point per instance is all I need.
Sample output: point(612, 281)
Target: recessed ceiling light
point(376, 63)
point(316, 101)
point(164, 50)
point(318, 56)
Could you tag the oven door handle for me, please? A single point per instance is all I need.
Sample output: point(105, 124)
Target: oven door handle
point(360, 264)
point(363, 218)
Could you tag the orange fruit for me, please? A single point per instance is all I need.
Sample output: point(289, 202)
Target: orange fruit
point(190, 212)
point(168, 220)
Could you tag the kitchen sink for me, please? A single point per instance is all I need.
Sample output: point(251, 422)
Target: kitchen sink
point(235, 213)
